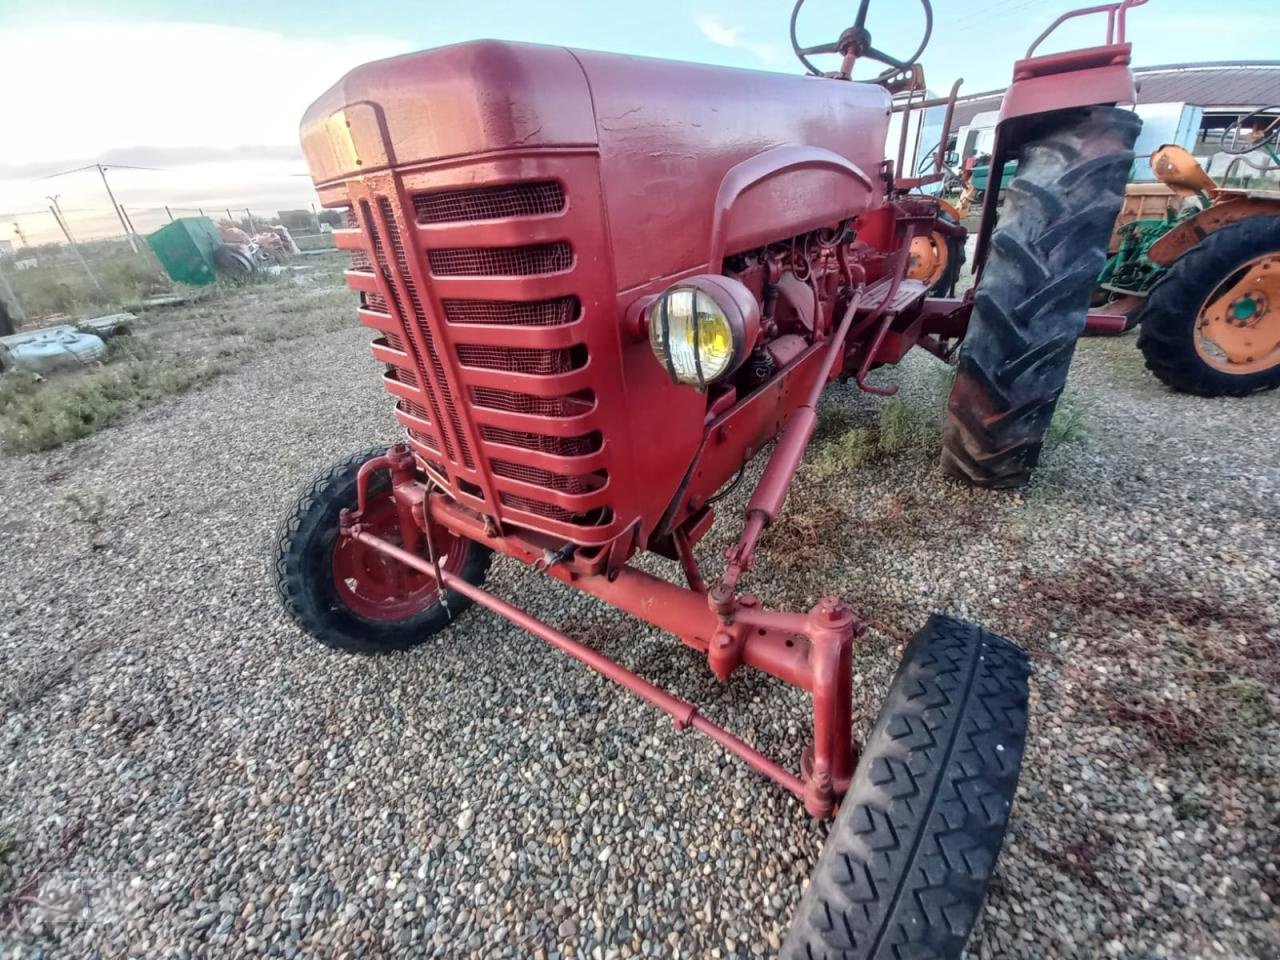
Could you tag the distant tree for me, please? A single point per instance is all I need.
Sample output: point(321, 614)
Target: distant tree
point(298, 221)
point(334, 218)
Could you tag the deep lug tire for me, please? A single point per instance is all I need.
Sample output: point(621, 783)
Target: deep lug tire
point(1031, 305)
point(1172, 311)
point(906, 865)
point(311, 565)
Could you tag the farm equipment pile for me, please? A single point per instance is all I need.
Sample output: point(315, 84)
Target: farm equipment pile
point(601, 285)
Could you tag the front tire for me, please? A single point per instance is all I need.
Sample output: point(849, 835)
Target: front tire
point(1033, 298)
point(350, 597)
point(906, 865)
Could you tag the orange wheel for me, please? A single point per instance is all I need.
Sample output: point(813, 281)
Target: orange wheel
point(936, 259)
point(1211, 325)
point(1238, 328)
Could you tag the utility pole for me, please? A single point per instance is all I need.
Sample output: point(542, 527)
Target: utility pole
point(22, 237)
point(71, 240)
point(169, 212)
point(57, 212)
point(252, 228)
point(128, 219)
point(133, 245)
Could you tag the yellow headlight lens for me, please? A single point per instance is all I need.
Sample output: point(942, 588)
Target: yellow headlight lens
point(691, 336)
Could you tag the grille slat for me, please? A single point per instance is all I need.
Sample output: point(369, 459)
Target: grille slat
point(359, 258)
point(528, 261)
point(531, 313)
point(544, 443)
point(532, 360)
point(537, 476)
point(489, 203)
point(433, 355)
point(511, 401)
point(380, 254)
point(593, 518)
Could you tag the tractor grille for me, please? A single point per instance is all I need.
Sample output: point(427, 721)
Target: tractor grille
point(514, 440)
point(489, 203)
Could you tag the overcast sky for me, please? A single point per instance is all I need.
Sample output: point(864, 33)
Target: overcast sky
point(211, 93)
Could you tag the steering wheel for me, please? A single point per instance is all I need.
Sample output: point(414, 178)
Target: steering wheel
point(856, 42)
point(1255, 140)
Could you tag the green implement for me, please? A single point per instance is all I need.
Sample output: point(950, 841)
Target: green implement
point(185, 249)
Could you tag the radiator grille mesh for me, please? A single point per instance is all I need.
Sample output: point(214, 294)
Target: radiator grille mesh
point(527, 261)
point(569, 406)
point(359, 258)
point(489, 203)
point(537, 476)
point(559, 446)
point(533, 313)
point(529, 360)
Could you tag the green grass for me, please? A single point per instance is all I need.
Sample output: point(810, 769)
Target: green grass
point(171, 351)
point(907, 425)
point(64, 287)
point(40, 416)
point(1070, 423)
point(850, 450)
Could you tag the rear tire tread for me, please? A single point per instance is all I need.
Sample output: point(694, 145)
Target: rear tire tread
point(1030, 308)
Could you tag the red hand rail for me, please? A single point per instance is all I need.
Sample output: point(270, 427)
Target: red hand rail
point(1115, 22)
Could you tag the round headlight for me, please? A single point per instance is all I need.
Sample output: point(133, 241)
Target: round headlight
point(702, 329)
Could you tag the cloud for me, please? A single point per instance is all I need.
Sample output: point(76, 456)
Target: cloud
point(723, 35)
point(172, 84)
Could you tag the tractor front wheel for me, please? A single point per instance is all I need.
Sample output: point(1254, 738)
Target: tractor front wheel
point(350, 596)
point(908, 859)
point(1211, 325)
point(1033, 298)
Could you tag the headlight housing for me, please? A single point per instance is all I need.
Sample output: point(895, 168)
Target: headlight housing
point(701, 329)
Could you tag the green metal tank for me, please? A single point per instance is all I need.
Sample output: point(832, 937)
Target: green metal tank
point(185, 249)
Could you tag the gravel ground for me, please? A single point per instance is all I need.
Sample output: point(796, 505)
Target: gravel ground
point(196, 778)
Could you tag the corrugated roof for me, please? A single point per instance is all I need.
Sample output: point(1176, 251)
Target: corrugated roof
point(1232, 83)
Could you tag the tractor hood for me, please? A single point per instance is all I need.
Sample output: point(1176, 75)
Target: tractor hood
point(454, 101)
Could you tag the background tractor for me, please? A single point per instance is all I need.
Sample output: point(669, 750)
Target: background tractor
point(602, 285)
point(1203, 279)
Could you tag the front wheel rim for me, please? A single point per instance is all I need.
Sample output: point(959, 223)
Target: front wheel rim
point(1237, 330)
point(376, 587)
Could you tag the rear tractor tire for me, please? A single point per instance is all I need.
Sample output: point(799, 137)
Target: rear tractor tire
point(1031, 304)
point(351, 597)
point(906, 865)
point(1211, 325)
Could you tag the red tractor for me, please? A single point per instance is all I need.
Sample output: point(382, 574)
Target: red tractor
point(601, 286)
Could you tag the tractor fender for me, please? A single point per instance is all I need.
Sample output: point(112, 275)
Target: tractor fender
point(1190, 232)
point(806, 187)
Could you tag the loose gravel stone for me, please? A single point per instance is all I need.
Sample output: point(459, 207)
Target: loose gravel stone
point(200, 780)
